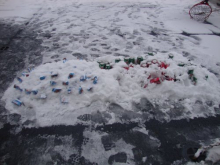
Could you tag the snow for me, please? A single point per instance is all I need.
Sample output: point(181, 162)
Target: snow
point(105, 30)
point(94, 150)
point(116, 85)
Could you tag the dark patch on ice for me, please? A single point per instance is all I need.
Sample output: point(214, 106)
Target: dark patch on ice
point(114, 49)
point(207, 22)
point(120, 157)
point(185, 54)
point(153, 33)
point(212, 71)
point(80, 56)
point(21, 44)
point(185, 34)
point(54, 56)
point(119, 54)
point(95, 55)
point(95, 49)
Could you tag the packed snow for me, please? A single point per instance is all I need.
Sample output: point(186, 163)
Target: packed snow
point(123, 85)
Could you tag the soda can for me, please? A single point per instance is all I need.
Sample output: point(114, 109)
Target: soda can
point(70, 75)
point(155, 80)
point(65, 83)
point(80, 90)
point(19, 79)
point(17, 102)
point(117, 60)
point(154, 61)
point(64, 60)
point(35, 92)
point(90, 89)
point(139, 59)
point(54, 75)
point(69, 90)
point(30, 69)
point(43, 96)
point(102, 65)
point(148, 63)
point(56, 90)
point(27, 91)
point(132, 60)
point(171, 56)
point(52, 83)
point(126, 60)
point(83, 78)
point(42, 77)
point(95, 80)
point(108, 66)
point(18, 88)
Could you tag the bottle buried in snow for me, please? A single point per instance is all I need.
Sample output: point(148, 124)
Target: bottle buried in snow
point(102, 65)
point(65, 83)
point(56, 90)
point(80, 90)
point(139, 59)
point(150, 54)
point(108, 67)
point(117, 60)
point(132, 60)
point(190, 73)
point(42, 77)
point(171, 56)
point(181, 64)
point(17, 102)
point(19, 79)
point(35, 92)
point(18, 88)
point(71, 75)
point(126, 60)
point(52, 83)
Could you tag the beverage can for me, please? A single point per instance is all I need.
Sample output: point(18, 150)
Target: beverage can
point(17, 102)
point(42, 77)
point(19, 79)
point(70, 75)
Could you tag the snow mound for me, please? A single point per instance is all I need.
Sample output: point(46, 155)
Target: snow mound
point(116, 85)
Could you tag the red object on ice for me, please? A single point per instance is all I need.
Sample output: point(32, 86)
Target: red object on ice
point(155, 80)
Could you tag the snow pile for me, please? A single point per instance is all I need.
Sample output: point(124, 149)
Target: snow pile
point(117, 85)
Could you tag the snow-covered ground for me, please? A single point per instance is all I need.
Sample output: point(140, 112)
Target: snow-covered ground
point(85, 31)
